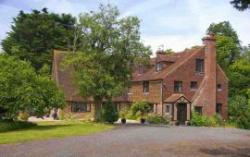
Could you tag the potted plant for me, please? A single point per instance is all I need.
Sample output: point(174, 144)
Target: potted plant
point(123, 113)
point(142, 108)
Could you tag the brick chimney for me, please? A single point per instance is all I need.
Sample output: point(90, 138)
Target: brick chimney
point(160, 54)
point(206, 94)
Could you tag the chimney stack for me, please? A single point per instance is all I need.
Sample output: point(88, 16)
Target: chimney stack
point(206, 96)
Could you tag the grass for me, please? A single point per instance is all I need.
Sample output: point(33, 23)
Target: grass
point(47, 130)
point(9, 125)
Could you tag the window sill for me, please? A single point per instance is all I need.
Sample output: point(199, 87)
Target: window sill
point(145, 93)
point(199, 73)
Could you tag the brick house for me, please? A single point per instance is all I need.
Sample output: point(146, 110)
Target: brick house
point(174, 84)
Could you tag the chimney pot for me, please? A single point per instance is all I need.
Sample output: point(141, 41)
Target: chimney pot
point(209, 37)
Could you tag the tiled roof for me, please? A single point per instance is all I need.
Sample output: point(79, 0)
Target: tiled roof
point(175, 97)
point(177, 58)
point(64, 80)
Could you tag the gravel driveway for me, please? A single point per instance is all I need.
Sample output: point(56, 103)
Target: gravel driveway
point(140, 141)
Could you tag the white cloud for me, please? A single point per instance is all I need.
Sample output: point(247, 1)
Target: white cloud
point(175, 42)
point(174, 23)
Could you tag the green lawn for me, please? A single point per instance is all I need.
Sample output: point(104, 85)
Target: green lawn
point(46, 130)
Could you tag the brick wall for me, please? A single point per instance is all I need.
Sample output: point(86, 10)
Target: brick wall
point(153, 96)
point(222, 95)
point(185, 73)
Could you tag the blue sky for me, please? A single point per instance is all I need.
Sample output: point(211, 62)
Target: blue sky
point(176, 24)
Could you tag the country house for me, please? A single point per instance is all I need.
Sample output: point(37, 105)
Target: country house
point(174, 84)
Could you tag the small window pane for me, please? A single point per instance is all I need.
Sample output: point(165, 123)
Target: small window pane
point(79, 107)
point(167, 110)
point(158, 67)
point(198, 109)
point(193, 85)
point(219, 88)
point(218, 108)
point(145, 86)
point(140, 69)
point(177, 86)
point(199, 65)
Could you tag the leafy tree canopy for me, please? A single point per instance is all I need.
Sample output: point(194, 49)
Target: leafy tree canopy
point(241, 4)
point(22, 90)
point(110, 46)
point(34, 35)
point(224, 29)
point(227, 43)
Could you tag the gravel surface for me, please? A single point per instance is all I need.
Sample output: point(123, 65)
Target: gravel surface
point(140, 141)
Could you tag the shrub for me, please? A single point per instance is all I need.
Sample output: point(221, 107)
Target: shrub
point(23, 116)
point(199, 120)
point(10, 125)
point(140, 109)
point(109, 113)
point(239, 111)
point(123, 113)
point(157, 119)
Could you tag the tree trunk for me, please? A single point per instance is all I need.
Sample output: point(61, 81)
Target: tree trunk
point(97, 110)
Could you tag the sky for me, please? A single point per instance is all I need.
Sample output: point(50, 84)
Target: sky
point(171, 24)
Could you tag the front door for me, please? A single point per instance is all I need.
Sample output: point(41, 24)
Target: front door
point(182, 113)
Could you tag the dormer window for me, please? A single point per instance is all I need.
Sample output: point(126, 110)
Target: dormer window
point(158, 66)
point(140, 69)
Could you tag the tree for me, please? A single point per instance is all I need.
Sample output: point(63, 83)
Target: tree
point(239, 111)
point(227, 51)
point(227, 43)
point(34, 35)
point(109, 113)
point(239, 74)
point(224, 29)
point(110, 46)
point(22, 90)
point(241, 4)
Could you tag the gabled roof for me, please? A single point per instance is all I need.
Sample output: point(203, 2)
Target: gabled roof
point(174, 97)
point(64, 80)
point(177, 60)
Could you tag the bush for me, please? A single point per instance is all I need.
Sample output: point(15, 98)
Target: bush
point(124, 113)
point(23, 116)
point(109, 113)
point(140, 109)
point(239, 111)
point(199, 120)
point(157, 119)
point(10, 125)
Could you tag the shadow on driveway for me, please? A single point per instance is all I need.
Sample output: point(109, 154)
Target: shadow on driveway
point(227, 152)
